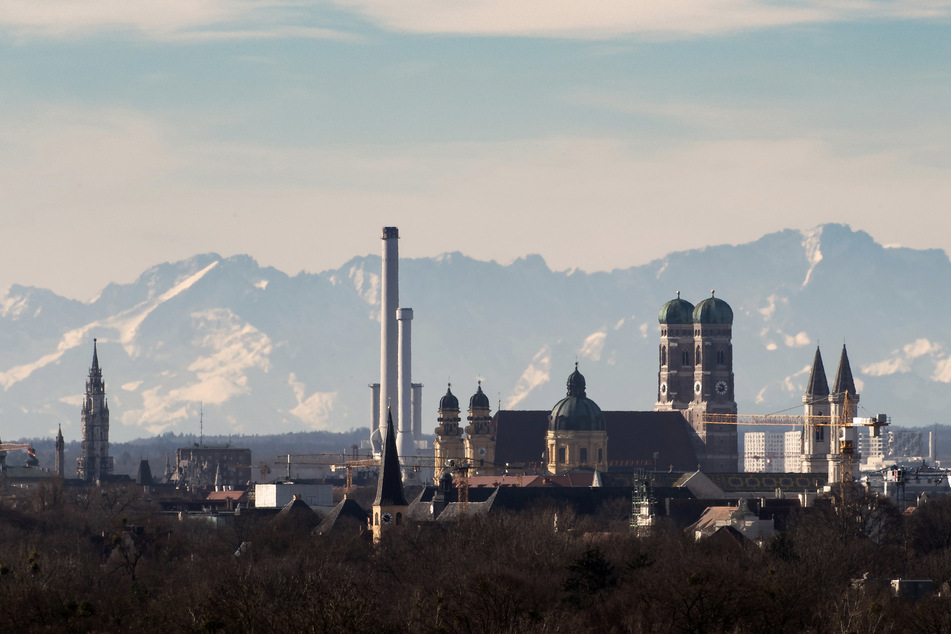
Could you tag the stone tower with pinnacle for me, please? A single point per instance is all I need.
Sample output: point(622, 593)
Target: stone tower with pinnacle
point(95, 461)
point(448, 443)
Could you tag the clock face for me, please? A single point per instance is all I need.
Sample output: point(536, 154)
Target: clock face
point(663, 388)
point(387, 518)
point(697, 387)
point(721, 387)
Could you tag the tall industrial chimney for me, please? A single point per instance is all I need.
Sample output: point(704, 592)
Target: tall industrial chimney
point(404, 437)
point(389, 302)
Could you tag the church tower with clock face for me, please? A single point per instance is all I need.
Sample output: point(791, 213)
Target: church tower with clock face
point(480, 447)
point(389, 506)
point(696, 376)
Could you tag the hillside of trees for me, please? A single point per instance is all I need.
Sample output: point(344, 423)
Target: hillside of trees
point(107, 560)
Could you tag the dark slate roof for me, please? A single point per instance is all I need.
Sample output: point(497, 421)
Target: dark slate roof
point(768, 482)
point(346, 514)
point(520, 436)
point(633, 438)
point(843, 377)
point(389, 487)
point(818, 385)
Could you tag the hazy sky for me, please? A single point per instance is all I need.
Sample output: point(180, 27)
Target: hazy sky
point(600, 135)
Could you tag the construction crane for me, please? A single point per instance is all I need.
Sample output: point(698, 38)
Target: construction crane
point(31, 460)
point(792, 420)
point(843, 445)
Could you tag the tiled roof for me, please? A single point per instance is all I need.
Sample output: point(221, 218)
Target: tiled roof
point(633, 439)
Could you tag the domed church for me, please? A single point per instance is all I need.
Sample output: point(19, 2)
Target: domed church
point(577, 436)
point(695, 384)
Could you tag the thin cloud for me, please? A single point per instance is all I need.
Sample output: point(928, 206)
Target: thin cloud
point(169, 20)
point(200, 20)
point(613, 18)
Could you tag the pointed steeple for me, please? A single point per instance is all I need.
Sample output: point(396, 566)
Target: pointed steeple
point(95, 358)
point(818, 386)
point(389, 488)
point(843, 377)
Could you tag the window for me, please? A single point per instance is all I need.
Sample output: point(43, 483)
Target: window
point(399, 518)
point(561, 455)
point(600, 454)
point(820, 434)
point(583, 455)
point(685, 358)
point(663, 355)
point(697, 356)
point(376, 519)
point(721, 357)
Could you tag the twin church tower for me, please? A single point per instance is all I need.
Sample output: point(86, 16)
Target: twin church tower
point(695, 379)
point(696, 375)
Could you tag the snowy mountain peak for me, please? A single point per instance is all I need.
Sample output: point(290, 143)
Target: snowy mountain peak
point(266, 352)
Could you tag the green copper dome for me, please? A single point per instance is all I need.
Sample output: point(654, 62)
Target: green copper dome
point(713, 310)
point(449, 401)
point(576, 412)
point(676, 311)
point(479, 399)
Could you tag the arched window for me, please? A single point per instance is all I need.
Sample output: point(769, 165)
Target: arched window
point(686, 358)
point(376, 519)
point(600, 454)
point(583, 455)
point(663, 355)
point(697, 356)
point(399, 518)
point(721, 357)
point(561, 455)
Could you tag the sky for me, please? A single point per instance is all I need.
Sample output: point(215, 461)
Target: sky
point(599, 135)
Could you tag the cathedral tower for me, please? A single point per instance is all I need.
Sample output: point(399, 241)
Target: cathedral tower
point(389, 506)
point(448, 443)
point(480, 446)
point(95, 461)
point(576, 437)
point(675, 378)
point(696, 375)
point(816, 433)
point(843, 402)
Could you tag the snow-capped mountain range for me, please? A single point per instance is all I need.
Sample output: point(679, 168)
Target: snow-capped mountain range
point(263, 352)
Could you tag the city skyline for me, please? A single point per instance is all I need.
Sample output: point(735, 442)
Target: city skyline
point(604, 138)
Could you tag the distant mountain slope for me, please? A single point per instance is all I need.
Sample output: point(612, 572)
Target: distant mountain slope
point(263, 352)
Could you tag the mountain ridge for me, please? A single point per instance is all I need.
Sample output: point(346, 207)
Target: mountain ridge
point(265, 352)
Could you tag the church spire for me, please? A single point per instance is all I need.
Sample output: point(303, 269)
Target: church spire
point(389, 488)
point(843, 377)
point(95, 358)
point(818, 386)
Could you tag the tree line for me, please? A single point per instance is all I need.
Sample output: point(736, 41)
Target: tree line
point(106, 559)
